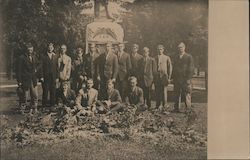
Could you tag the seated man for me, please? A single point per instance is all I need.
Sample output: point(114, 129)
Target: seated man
point(112, 100)
point(134, 96)
point(65, 95)
point(87, 97)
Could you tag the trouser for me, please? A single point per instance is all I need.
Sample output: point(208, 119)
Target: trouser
point(121, 85)
point(147, 94)
point(49, 89)
point(103, 88)
point(161, 94)
point(32, 90)
point(182, 92)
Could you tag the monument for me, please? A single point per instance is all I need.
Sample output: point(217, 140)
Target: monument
point(103, 30)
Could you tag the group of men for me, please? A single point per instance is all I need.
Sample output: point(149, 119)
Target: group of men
point(107, 82)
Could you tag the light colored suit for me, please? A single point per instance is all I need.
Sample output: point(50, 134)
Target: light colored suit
point(163, 74)
point(87, 97)
point(64, 65)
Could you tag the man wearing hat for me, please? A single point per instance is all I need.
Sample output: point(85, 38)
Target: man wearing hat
point(124, 66)
point(90, 62)
point(135, 57)
point(27, 77)
point(107, 67)
point(49, 76)
point(162, 77)
point(183, 70)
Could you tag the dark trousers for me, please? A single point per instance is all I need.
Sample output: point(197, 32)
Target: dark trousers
point(146, 94)
point(49, 89)
point(121, 85)
point(161, 93)
point(103, 88)
point(182, 92)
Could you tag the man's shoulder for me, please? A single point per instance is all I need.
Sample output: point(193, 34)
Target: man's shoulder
point(138, 89)
point(93, 90)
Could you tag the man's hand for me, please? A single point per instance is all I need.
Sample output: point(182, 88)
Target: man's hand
point(19, 84)
point(98, 78)
point(113, 79)
point(189, 81)
point(57, 80)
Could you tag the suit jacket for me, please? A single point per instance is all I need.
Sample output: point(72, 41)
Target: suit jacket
point(77, 66)
point(135, 97)
point(90, 62)
point(64, 65)
point(135, 64)
point(147, 71)
point(113, 96)
point(27, 71)
point(87, 97)
point(183, 68)
point(164, 69)
point(107, 66)
point(65, 99)
point(49, 67)
point(124, 66)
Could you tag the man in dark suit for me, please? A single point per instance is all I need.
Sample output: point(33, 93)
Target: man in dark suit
point(112, 102)
point(49, 76)
point(65, 95)
point(27, 77)
point(90, 62)
point(135, 57)
point(107, 68)
point(183, 69)
point(124, 64)
point(162, 77)
point(134, 96)
point(77, 69)
point(147, 70)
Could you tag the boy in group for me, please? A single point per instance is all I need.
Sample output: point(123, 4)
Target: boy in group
point(65, 95)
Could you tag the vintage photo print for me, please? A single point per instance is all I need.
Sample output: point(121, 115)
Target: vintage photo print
point(104, 79)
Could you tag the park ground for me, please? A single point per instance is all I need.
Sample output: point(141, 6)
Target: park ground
point(90, 146)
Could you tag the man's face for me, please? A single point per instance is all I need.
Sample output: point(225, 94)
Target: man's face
point(160, 50)
point(63, 49)
point(135, 49)
point(121, 47)
point(133, 83)
point(79, 51)
point(50, 48)
point(65, 87)
point(89, 84)
point(110, 86)
point(116, 49)
point(181, 49)
point(109, 47)
point(30, 50)
point(92, 49)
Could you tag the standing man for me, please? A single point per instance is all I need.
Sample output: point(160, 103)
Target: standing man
point(183, 69)
point(90, 62)
point(147, 71)
point(49, 76)
point(124, 66)
point(27, 77)
point(135, 57)
point(107, 68)
point(162, 77)
point(64, 64)
point(77, 70)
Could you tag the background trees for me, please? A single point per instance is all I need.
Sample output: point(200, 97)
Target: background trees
point(146, 22)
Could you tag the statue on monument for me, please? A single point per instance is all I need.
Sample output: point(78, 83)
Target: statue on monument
point(98, 4)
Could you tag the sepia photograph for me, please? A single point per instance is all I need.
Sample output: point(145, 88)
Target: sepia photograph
point(103, 79)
